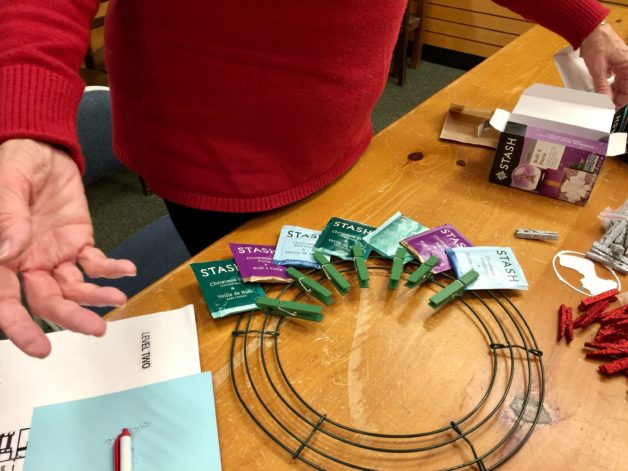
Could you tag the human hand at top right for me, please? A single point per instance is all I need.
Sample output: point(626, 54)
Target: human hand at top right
point(606, 54)
point(45, 233)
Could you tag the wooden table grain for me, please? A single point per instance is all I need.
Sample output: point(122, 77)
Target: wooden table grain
point(381, 361)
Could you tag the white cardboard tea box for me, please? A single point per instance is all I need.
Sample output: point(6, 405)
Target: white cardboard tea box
point(554, 142)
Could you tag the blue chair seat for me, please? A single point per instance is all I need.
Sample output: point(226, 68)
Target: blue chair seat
point(157, 248)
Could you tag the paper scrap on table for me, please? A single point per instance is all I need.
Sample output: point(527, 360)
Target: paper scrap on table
point(172, 426)
point(590, 280)
point(469, 125)
point(134, 352)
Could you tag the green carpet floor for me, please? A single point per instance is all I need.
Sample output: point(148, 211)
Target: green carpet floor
point(119, 207)
point(421, 83)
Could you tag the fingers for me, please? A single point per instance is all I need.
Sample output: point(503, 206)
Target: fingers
point(620, 92)
point(606, 54)
point(54, 298)
point(45, 299)
point(620, 85)
point(74, 288)
point(599, 72)
point(603, 87)
point(595, 54)
point(97, 265)
point(15, 321)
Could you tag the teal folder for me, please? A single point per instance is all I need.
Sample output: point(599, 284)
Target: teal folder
point(172, 424)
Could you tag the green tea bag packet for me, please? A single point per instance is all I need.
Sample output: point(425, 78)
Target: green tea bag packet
point(385, 239)
point(339, 235)
point(223, 290)
point(296, 247)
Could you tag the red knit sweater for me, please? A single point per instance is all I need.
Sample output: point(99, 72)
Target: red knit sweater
point(240, 105)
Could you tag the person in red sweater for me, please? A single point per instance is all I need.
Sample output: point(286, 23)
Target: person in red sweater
point(224, 108)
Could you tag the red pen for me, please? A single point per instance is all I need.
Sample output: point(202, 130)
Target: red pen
point(122, 451)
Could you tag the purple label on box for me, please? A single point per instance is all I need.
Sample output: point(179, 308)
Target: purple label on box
point(567, 140)
point(546, 162)
point(434, 242)
point(255, 263)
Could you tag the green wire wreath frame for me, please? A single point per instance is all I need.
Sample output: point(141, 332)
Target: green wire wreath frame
point(344, 443)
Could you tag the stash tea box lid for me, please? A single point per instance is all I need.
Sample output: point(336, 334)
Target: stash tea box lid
point(554, 142)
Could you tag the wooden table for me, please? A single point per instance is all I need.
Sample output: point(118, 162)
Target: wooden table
point(380, 360)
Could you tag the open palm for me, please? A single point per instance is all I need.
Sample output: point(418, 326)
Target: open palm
point(45, 231)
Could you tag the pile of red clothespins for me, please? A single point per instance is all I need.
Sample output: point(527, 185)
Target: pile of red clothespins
point(611, 340)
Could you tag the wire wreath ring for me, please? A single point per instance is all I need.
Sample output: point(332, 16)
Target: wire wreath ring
point(275, 405)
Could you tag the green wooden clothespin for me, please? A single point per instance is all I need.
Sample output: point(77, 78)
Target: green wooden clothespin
point(397, 268)
point(339, 281)
point(308, 312)
point(310, 286)
point(423, 273)
point(360, 265)
point(453, 290)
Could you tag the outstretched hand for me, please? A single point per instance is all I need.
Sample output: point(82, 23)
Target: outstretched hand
point(45, 231)
point(605, 55)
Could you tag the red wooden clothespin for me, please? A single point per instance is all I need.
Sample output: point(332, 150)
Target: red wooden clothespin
point(586, 302)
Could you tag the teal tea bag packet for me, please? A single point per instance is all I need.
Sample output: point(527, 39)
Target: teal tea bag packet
point(385, 239)
point(296, 247)
point(497, 266)
point(339, 235)
point(223, 290)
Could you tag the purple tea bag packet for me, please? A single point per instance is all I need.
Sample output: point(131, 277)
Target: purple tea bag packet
point(255, 263)
point(434, 242)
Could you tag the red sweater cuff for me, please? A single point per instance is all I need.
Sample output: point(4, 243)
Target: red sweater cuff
point(575, 24)
point(36, 103)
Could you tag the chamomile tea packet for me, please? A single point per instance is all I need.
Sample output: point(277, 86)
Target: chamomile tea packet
point(296, 247)
point(497, 266)
point(339, 235)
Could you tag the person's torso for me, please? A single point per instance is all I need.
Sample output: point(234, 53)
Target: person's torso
point(254, 96)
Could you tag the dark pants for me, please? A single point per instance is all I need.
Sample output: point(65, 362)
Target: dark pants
point(199, 228)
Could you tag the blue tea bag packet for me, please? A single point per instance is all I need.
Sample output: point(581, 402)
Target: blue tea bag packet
point(296, 247)
point(497, 266)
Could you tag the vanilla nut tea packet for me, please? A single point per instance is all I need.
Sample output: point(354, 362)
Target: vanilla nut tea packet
point(339, 235)
point(255, 263)
point(296, 247)
point(223, 290)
